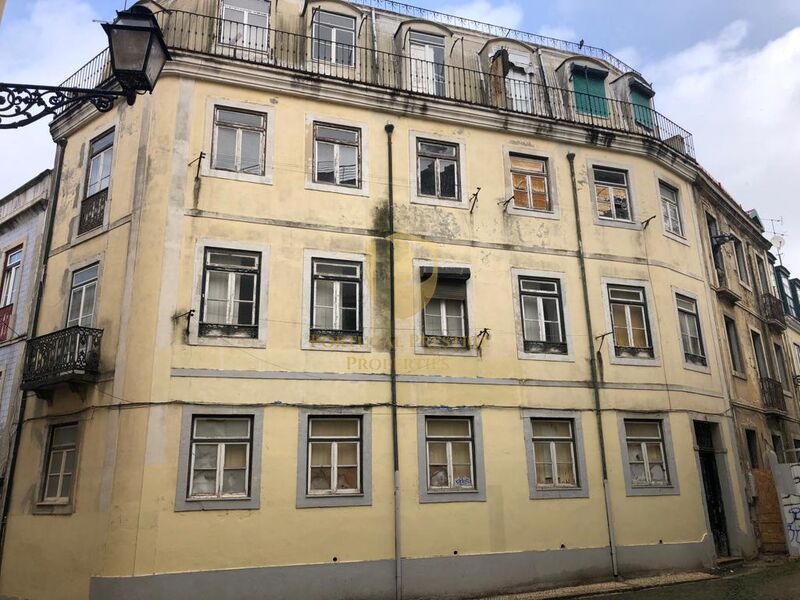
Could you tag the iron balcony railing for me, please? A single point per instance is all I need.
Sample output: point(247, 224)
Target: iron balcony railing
point(92, 212)
point(497, 31)
point(772, 394)
point(94, 74)
point(772, 310)
point(68, 355)
point(315, 58)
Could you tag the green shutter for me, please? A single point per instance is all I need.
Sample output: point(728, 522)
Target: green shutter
point(590, 93)
point(642, 111)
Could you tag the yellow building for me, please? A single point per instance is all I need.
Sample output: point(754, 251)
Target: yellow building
point(368, 304)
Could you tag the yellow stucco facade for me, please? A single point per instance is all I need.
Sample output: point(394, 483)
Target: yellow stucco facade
point(125, 530)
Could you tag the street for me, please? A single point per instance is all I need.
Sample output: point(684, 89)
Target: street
point(775, 583)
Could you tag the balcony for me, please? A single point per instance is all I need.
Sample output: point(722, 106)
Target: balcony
point(772, 395)
point(5, 322)
point(772, 311)
point(71, 355)
point(316, 59)
point(92, 212)
point(724, 291)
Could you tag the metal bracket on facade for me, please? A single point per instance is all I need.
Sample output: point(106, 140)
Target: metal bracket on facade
point(482, 335)
point(602, 339)
point(474, 200)
point(505, 203)
point(199, 161)
point(188, 314)
point(646, 222)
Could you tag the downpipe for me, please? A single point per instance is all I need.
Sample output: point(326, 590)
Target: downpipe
point(593, 362)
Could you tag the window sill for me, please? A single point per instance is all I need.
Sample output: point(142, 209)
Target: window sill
point(446, 342)
point(332, 188)
point(53, 508)
point(434, 496)
point(265, 179)
point(653, 490)
point(559, 493)
point(537, 214)
point(697, 368)
point(459, 203)
point(606, 222)
point(739, 375)
point(201, 504)
point(227, 342)
point(676, 238)
point(333, 500)
point(88, 235)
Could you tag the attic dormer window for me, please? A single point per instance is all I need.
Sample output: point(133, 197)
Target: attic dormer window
point(518, 83)
point(427, 63)
point(333, 38)
point(245, 23)
point(590, 91)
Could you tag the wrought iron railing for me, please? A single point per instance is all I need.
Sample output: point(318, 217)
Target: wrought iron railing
point(5, 321)
point(772, 394)
point(202, 34)
point(92, 212)
point(71, 354)
point(497, 31)
point(94, 74)
point(772, 309)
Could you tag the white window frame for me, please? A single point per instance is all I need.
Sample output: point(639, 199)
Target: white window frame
point(83, 287)
point(782, 367)
point(239, 129)
point(610, 187)
point(652, 315)
point(529, 175)
point(207, 168)
point(11, 276)
point(736, 341)
point(536, 491)
point(262, 295)
point(99, 158)
point(264, 46)
point(680, 294)
point(429, 82)
point(671, 214)
point(437, 171)
point(363, 189)
point(443, 316)
point(334, 38)
point(230, 299)
point(365, 303)
point(644, 442)
point(516, 275)
point(672, 488)
point(64, 450)
point(551, 442)
point(336, 151)
point(222, 444)
point(463, 193)
point(601, 163)
point(448, 441)
point(641, 305)
point(334, 441)
point(552, 176)
point(740, 252)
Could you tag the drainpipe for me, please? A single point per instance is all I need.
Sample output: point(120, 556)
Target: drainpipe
point(593, 361)
point(398, 575)
point(32, 323)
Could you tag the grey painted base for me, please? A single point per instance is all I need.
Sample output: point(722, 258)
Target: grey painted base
point(442, 577)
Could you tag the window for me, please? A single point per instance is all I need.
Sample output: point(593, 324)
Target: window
point(642, 108)
point(670, 210)
point(337, 155)
point(762, 275)
point(761, 359)
point(98, 179)
point(554, 453)
point(220, 457)
point(630, 322)
point(61, 463)
point(777, 446)
point(530, 180)
point(519, 93)
point(741, 261)
point(542, 316)
point(612, 194)
point(437, 169)
point(590, 91)
point(100, 154)
point(427, 63)
point(797, 357)
point(716, 255)
point(336, 301)
point(646, 458)
point(752, 448)
point(334, 456)
point(786, 292)
point(333, 38)
point(245, 23)
point(229, 303)
point(239, 141)
point(691, 336)
point(10, 276)
point(82, 297)
point(450, 454)
point(445, 313)
point(783, 371)
point(733, 345)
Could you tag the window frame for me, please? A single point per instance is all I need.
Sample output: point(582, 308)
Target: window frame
point(207, 168)
point(42, 499)
point(692, 361)
point(96, 281)
point(304, 499)
point(522, 354)
point(589, 72)
point(334, 44)
point(752, 448)
point(261, 294)
point(528, 174)
point(540, 296)
point(633, 222)
point(95, 135)
point(346, 342)
point(461, 201)
point(653, 332)
point(316, 139)
point(185, 503)
point(337, 309)
point(426, 495)
point(740, 252)
point(782, 368)
point(667, 219)
point(552, 177)
point(92, 154)
point(8, 296)
point(222, 444)
point(671, 489)
point(247, 12)
point(742, 370)
point(446, 339)
point(579, 453)
point(239, 129)
point(231, 301)
point(437, 171)
point(627, 304)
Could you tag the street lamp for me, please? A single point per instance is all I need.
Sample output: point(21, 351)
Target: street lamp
point(138, 54)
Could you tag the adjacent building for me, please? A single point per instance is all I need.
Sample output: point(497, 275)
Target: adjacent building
point(368, 301)
point(22, 214)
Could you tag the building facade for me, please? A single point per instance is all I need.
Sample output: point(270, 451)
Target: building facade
point(22, 215)
point(366, 301)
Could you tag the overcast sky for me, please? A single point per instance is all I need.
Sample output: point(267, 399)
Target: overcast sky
point(726, 70)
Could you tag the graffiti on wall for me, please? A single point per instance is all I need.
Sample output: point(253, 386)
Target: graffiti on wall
point(787, 482)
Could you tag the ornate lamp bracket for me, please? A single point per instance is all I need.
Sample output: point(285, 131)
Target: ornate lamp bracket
point(22, 104)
